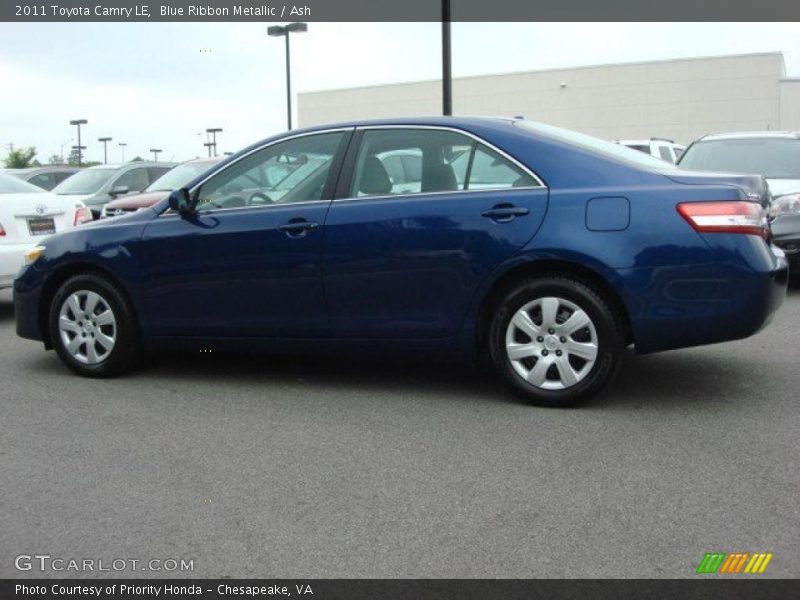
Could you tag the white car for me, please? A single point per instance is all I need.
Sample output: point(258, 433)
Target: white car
point(658, 147)
point(27, 216)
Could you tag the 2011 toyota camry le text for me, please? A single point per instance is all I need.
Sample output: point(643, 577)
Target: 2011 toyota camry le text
point(547, 251)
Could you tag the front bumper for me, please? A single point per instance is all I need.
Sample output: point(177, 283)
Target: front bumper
point(12, 259)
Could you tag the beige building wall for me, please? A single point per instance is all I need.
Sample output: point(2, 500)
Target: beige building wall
point(678, 99)
point(790, 104)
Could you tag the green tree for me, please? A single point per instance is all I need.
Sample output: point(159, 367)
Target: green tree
point(21, 158)
point(54, 159)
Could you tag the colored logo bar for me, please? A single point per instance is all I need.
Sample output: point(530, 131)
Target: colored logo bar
point(734, 563)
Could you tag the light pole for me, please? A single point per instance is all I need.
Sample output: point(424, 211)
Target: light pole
point(214, 131)
point(61, 149)
point(208, 145)
point(447, 75)
point(79, 148)
point(155, 152)
point(277, 31)
point(122, 147)
point(105, 141)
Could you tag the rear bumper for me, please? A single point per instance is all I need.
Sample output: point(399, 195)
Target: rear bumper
point(687, 306)
point(12, 257)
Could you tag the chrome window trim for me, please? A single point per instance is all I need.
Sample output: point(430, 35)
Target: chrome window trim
point(251, 152)
point(450, 193)
point(211, 211)
point(477, 138)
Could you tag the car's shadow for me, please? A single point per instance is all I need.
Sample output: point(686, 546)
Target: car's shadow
point(6, 306)
point(672, 379)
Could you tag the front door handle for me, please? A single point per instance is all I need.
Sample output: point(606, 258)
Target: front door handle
point(298, 227)
point(502, 213)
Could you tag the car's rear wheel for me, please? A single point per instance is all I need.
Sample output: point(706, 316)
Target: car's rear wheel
point(93, 327)
point(555, 340)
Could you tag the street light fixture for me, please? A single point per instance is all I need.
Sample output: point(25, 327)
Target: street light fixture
point(155, 152)
point(105, 141)
point(122, 147)
point(277, 31)
point(79, 148)
point(214, 131)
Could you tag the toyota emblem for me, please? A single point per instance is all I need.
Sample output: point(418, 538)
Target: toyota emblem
point(41, 208)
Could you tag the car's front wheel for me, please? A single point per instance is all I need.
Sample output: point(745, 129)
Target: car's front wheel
point(555, 340)
point(93, 327)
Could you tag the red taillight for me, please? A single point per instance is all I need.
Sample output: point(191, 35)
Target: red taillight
point(2, 231)
point(82, 215)
point(725, 217)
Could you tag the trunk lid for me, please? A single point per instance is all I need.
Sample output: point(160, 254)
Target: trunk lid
point(754, 186)
point(32, 217)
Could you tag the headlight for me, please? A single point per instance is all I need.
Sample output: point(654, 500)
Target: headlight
point(33, 254)
point(788, 204)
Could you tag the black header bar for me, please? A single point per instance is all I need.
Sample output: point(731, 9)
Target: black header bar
point(707, 587)
point(397, 10)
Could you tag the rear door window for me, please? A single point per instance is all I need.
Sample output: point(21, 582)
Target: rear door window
point(135, 180)
point(419, 161)
point(43, 180)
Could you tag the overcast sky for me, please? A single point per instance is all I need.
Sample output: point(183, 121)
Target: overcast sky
point(160, 84)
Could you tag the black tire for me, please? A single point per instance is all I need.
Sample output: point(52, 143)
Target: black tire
point(607, 335)
point(127, 349)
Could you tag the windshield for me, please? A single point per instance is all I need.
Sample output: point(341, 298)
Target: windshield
point(11, 185)
point(774, 158)
point(84, 182)
point(596, 145)
point(178, 177)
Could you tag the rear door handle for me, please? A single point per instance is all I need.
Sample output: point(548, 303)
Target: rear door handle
point(298, 227)
point(503, 213)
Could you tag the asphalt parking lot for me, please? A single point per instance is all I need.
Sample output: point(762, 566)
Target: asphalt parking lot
point(322, 467)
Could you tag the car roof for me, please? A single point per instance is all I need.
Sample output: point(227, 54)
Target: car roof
point(52, 168)
point(750, 135)
point(138, 163)
point(430, 121)
point(204, 160)
point(648, 140)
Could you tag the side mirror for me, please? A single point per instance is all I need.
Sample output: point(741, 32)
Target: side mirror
point(119, 190)
point(181, 201)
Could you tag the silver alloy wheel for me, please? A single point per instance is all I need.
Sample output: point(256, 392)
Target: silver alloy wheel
point(551, 343)
point(87, 326)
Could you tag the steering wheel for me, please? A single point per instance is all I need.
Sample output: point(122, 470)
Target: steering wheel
point(259, 198)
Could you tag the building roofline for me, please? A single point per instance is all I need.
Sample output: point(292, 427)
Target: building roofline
point(556, 69)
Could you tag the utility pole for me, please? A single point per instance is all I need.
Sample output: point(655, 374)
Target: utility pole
point(79, 148)
point(105, 141)
point(277, 31)
point(214, 131)
point(447, 76)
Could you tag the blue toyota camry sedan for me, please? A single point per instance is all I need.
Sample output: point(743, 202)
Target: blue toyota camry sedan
point(544, 250)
